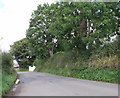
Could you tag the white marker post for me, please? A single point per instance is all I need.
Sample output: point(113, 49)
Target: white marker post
point(32, 68)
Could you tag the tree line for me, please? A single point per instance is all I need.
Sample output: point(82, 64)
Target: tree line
point(81, 28)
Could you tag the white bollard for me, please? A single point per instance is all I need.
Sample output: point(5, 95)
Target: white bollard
point(17, 81)
point(32, 68)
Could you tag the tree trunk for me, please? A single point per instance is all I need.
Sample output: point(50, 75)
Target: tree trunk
point(88, 27)
point(51, 52)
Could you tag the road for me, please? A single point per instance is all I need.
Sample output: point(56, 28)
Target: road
point(43, 84)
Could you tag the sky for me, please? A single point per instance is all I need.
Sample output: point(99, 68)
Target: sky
point(14, 20)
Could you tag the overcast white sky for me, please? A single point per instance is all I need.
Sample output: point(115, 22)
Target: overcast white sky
point(14, 19)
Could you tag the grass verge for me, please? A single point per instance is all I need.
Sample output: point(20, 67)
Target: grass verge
point(104, 74)
point(7, 81)
point(22, 70)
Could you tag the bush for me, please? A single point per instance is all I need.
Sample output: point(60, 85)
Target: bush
point(60, 60)
point(7, 62)
point(39, 63)
point(8, 74)
point(101, 64)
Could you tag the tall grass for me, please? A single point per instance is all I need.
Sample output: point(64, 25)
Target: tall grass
point(0, 73)
point(7, 81)
point(99, 69)
point(111, 61)
point(98, 74)
point(0, 84)
point(60, 60)
point(8, 73)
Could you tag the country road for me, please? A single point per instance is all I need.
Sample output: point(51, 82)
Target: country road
point(43, 84)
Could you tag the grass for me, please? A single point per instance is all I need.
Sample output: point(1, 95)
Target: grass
point(8, 81)
point(0, 83)
point(95, 68)
point(98, 74)
point(111, 61)
point(23, 70)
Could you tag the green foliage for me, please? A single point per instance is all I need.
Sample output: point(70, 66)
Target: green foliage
point(7, 62)
point(97, 68)
point(8, 74)
point(22, 53)
point(97, 74)
point(60, 60)
point(117, 44)
point(7, 81)
point(72, 39)
point(77, 26)
point(40, 38)
point(39, 63)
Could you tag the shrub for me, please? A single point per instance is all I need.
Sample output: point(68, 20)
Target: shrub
point(60, 60)
point(7, 62)
point(39, 62)
point(8, 74)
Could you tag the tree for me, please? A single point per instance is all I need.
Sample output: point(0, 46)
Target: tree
point(81, 27)
point(38, 34)
point(22, 53)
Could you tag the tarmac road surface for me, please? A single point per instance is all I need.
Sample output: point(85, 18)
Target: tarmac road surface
point(43, 84)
